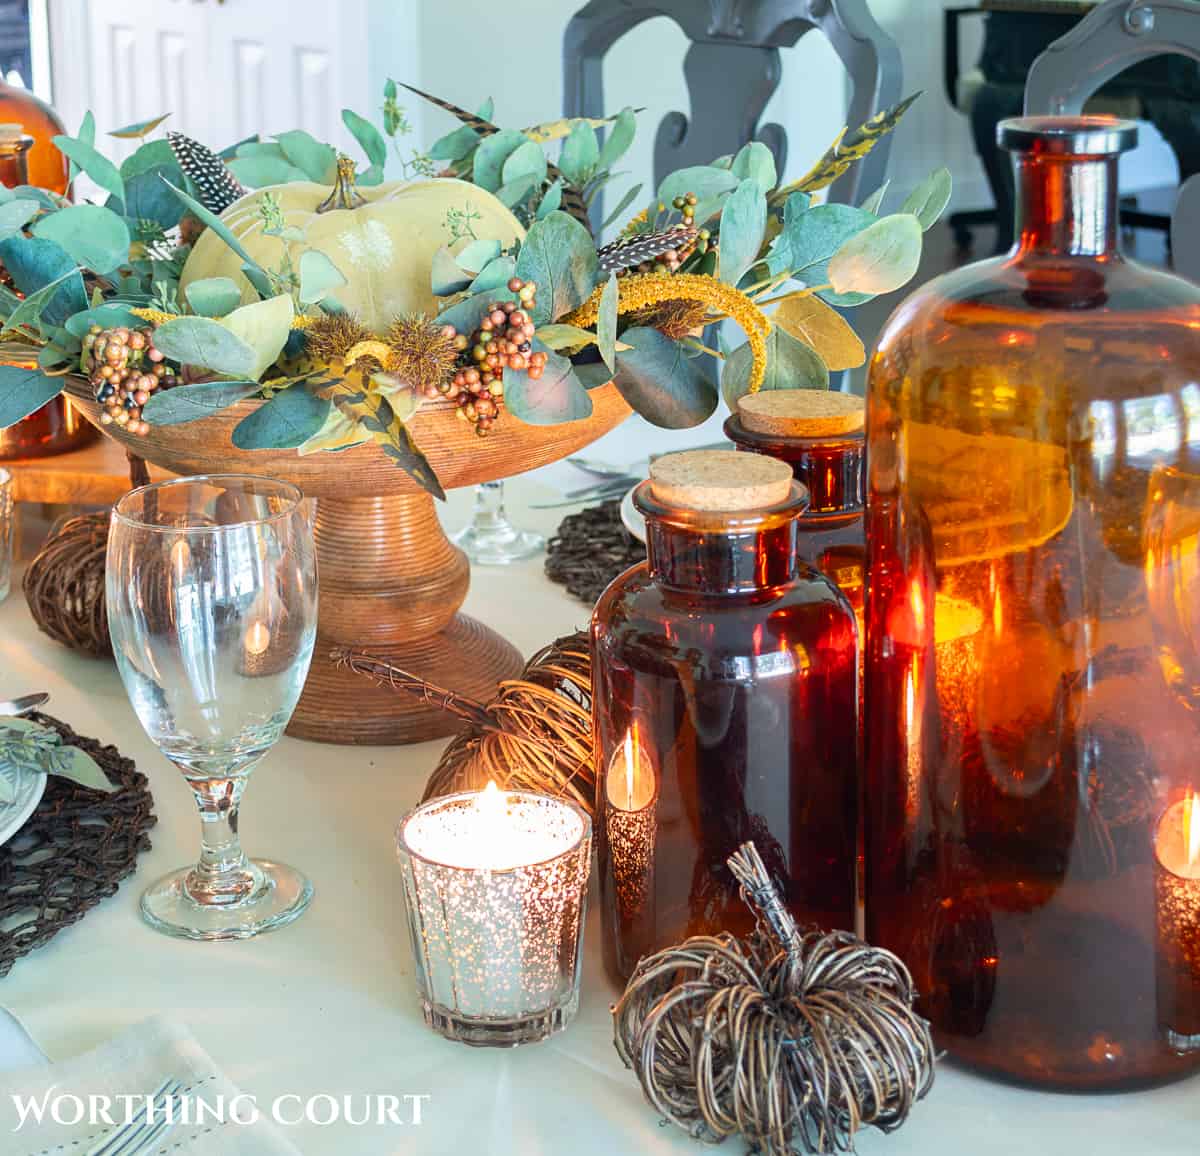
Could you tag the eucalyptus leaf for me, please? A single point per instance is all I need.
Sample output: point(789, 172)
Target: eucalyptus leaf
point(87, 134)
point(526, 161)
point(24, 390)
point(475, 255)
point(879, 259)
point(872, 203)
point(493, 151)
point(288, 420)
point(466, 315)
point(455, 146)
point(790, 365)
point(494, 275)
point(213, 296)
point(258, 279)
point(446, 276)
point(743, 224)
point(513, 193)
point(708, 183)
point(185, 403)
point(139, 129)
point(339, 431)
point(617, 139)
point(90, 235)
point(54, 356)
point(205, 343)
point(44, 272)
point(153, 154)
point(367, 135)
point(560, 256)
point(593, 374)
point(623, 204)
point(550, 201)
point(96, 165)
point(557, 396)
point(110, 315)
point(658, 380)
point(318, 275)
point(580, 153)
point(69, 762)
point(755, 162)
point(146, 199)
point(318, 161)
point(263, 326)
point(606, 323)
point(811, 321)
point(559, 335)
point(262, 171)
point(810, 237)
point(16, 214)
point(929, 199)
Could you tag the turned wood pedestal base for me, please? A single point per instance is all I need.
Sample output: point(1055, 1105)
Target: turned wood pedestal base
point(392, 583)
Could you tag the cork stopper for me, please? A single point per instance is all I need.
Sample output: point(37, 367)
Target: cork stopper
point(802, 413)
point(720, 480)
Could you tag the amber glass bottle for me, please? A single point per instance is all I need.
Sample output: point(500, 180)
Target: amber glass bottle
point(56, 427)
point(37, 120)
point(821, 436)
point(725, 680)
point(1028, 759)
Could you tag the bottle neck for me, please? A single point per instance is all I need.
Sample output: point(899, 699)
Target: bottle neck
point(832, 469)
point(715, 561)
point(1067, 206)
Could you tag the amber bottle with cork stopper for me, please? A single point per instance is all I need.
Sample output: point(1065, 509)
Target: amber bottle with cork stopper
point(56, 427)
point(1033, 635)
point(821, 435)
point(725, 682)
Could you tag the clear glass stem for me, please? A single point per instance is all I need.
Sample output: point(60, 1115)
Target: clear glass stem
point(491, 539)
point(223, 875)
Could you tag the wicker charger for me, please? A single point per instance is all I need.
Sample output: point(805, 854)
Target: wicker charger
point(74, 850)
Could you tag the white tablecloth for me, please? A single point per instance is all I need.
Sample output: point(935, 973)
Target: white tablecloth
point(327, 1006)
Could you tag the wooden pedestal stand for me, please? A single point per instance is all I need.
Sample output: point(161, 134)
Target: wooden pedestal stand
point(391, 582)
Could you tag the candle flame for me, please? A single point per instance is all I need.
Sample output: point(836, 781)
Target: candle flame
point(998, 613)
point(916, 601)
point(257, 639)
point(490, 803)
point(630, 753)
point(1191, 828)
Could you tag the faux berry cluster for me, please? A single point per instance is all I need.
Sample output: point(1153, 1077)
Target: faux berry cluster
point(124, 369)
point(504, 340)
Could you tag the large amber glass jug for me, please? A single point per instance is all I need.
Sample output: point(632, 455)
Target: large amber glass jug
point(725, 679)
point(1032, 732)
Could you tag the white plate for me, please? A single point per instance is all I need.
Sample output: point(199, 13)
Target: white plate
point(29, 790)
point(631, 517)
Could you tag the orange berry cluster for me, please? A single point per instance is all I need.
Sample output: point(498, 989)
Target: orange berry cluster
point(504, 340)
point(124, 369)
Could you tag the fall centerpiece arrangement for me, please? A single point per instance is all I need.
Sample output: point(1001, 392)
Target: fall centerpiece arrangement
point(278, 308)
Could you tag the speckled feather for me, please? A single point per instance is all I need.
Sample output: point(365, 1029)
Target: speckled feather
point(216, 186)
point(628, 252)
point(572, 201)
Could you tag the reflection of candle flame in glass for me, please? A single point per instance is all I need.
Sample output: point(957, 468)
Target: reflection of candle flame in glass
point(1191, 828)
point(1177, 840)
point(629, 748)
point(630, 784)
point(257, 639)
point(998, 613)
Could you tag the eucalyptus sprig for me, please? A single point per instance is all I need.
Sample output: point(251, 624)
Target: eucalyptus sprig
point(29, 748)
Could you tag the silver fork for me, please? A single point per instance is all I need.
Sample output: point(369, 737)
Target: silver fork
point(141, 1133)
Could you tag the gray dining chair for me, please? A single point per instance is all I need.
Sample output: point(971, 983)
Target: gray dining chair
point(1108, 40)
point(738, 41)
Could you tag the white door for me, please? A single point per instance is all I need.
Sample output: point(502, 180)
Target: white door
point(223, 69)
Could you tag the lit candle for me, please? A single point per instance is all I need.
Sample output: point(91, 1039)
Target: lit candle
point(1177, 890)
point(495, 886)
point(631, 822)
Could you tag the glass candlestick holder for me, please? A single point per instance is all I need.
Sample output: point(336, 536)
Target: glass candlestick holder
point(490, 539)
point(495, 886)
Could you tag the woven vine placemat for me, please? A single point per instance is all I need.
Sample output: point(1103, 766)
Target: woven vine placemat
point(590, 549)
point(74, 850)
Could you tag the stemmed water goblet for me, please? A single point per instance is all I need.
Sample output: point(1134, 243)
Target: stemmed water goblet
point(212, 609)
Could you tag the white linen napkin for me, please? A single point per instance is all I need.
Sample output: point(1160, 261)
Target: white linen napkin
point(134, 1063)
point(17, 1050)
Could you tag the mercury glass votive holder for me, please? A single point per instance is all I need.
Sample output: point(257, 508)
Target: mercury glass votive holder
point(495, 886)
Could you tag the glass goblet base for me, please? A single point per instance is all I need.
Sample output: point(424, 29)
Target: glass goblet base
point(278, 895)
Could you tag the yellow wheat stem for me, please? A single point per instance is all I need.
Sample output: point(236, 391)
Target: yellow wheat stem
point(640, 290)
